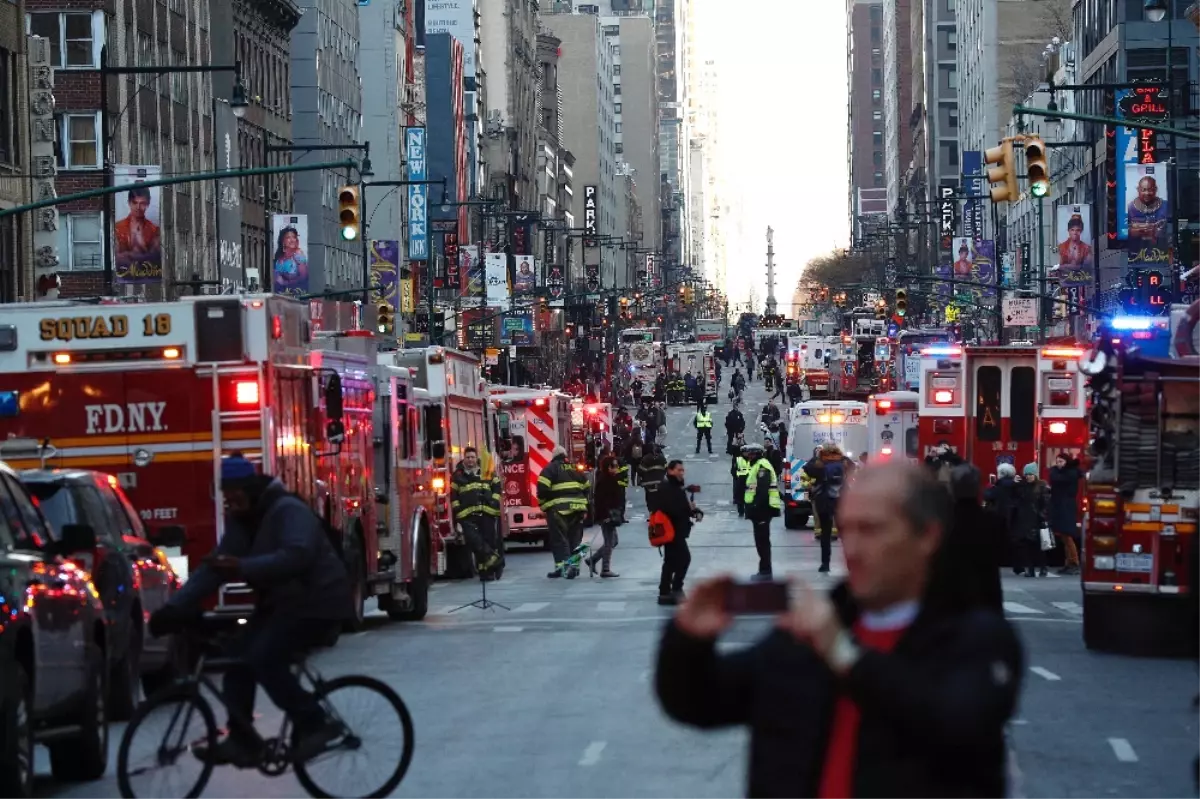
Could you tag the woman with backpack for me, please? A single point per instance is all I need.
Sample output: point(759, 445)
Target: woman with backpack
point(609, 501)
point(829, 470)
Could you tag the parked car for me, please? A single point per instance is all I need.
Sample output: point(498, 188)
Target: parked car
point(53, 647)
point(133, 577)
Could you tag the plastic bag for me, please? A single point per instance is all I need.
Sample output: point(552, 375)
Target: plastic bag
point(1047, 537)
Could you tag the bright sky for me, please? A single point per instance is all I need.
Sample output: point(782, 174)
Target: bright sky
point(783, 132)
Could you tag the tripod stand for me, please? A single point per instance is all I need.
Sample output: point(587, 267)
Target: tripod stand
point(483, 603)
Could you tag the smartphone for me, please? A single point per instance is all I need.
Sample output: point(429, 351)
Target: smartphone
point(750, 598)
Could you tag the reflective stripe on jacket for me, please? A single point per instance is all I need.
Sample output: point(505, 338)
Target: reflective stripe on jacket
point(752, 485)
point(703, 420)
point(743, 467)
point(473, 494)
point(623, 475)
point(562, 488)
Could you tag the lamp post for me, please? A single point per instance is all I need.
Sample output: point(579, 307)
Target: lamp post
point(237, 103)
point(1158, 11)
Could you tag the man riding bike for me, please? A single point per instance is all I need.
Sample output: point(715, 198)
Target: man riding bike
point(275, 543)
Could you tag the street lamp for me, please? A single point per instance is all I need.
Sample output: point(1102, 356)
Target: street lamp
point(237, 98)
point(1156, 10)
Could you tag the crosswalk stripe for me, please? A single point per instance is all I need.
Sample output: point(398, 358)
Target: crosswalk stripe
point(1017, 607)
point(1069, 607)
point(530, 607)
point(610, 607)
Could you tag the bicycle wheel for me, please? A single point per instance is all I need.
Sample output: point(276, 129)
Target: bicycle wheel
point(355, 701)
point(172, 723)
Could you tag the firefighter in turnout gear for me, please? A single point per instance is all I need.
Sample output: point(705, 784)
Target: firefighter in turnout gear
point(763, 503)
point(475, 500)
point(562, 495)
point(703, 423)
point(739, 469)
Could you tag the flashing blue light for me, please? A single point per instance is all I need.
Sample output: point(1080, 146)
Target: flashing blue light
point(1132, 323)
point(942, 351)
point(10, 404)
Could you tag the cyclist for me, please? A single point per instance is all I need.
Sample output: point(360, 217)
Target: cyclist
point(274, 542)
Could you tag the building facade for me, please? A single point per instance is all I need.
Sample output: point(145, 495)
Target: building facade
point(897, 92)
point(446, 150)
point(16, 273)
point(384, 45)
point(670, 25)
point(508, 32)
point(864, 69)
point(636, 118)
point(327, 91)
point(589, 132)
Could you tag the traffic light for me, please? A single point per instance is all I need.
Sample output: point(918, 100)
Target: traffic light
point(1036, 167)
point(901, 302)
point(349, 213)
point(1002, 173)
point(881, 310)
point(385, 319)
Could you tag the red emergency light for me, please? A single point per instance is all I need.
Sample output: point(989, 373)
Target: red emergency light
point(943, 397)
point(276, 326)
point(246, 392)
point(886, 451)
point(1062, 352)
point(884, 404)
point(1058, 428)
point(539, 401)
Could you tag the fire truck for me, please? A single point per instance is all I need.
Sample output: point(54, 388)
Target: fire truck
point(1002, 404)
point(529, 424)
point(697, 360)
point(450, 395)
point(1143, 493)
point(157, 393)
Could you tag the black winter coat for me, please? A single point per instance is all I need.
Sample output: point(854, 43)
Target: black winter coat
point(933, 710)
point(672, 500)
point(1064, 490)
point(972, 555)
point(607, 497)
point(1033, 501)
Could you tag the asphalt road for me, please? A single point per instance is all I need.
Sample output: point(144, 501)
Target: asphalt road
point(553, 696)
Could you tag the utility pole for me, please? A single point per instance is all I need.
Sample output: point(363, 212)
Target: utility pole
point(770, 270)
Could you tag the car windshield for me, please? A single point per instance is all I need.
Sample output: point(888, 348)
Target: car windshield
point(56, 503)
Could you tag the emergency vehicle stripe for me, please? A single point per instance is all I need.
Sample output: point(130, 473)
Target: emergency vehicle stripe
point(542, 439)
point(538, 459)
point(543, 414)
point(134, 438)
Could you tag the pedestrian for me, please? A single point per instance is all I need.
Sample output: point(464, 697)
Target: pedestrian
point(1065, 475)
point(690, 382)
point(763, 504)
point(735, 425)
point(475, 502)
point(739, 469)
point(878, 688)
point(751, 362)
point(651, 472)
point(609, 504)
point(770, 413)
point(672, 500)
point(634, 450)
point(703, 423)
point(829, 472)
point(773, 454)
point(1001, 499)
point(974, 547)
point(1033, 503)
point(650, 422)
point(562, 497)
point(794, 393)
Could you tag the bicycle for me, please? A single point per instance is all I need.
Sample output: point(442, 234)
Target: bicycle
point(186, 699)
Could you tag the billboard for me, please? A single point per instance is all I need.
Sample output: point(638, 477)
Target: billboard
point(470, 266)
point(496, 279)
point(591, 214)
point(418, 211)
point(1146, 209)
point(1076, 245)
point(525, 280)
point(974, 261)
point(289, 259)
point(457, 18)
point(385, 271)
point(517, 330)
point(1135, 146)
point(229, 197)
point(137, 236)
point(972, 166)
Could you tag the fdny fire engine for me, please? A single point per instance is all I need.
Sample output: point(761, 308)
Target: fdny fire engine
point(158, 393)
point(993, 405)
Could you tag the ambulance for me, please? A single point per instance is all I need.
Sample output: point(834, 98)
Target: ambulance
point(809, 359)
point(698, 360)
point(529, 423)
point(451, 397)
point(814, 423)
point(893, 426)
point(158, 393)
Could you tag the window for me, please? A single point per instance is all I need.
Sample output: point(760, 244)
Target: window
point(987, 403)
point(879, 180)
point(876, 76)
point(952, 38)
point(618, 127)
point(79, 141)
point(1022, 403)
point(875, 94)
point(952, 78)
point(952, 119)
point(617, 108)
point(616, 49)
point(616, 69)
point(23, 520)
point(617, 89)
point(877, 115)
point(84, 243)
point(620, 148)
point(877, 137)
point(878, 158)
point(73, 37)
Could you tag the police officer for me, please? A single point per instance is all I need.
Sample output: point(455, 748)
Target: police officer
point(762, 504)
point(475, 501)
point(562, 496)
point(703, 422)
point(738, 469)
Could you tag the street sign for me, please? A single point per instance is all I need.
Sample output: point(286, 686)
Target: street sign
point(1019, 311)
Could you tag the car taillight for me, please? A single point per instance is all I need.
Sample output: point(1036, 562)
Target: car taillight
point(246, 392)
point(886, 451)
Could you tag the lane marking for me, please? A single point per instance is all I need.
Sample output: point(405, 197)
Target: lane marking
point(1069, 607)
point(1017, 607)
point(610, 607)
point(591, 755)
point(530, 607)
point(507, 629)
point(1123, 750)
point(1045, 673)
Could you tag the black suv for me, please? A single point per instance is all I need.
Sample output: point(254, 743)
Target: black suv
point(53, 648)
point(133, 578)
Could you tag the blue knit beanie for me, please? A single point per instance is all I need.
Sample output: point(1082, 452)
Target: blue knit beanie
point(236, 470)
point(1030, 468)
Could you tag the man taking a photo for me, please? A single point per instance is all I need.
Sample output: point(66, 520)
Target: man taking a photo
point(887, 686)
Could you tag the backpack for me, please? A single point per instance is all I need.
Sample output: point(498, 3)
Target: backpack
point(661, 530)
point(835, 476)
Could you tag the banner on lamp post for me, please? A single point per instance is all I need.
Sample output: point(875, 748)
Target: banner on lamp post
point(137, 237)
point(385, 271)
point(289, 260)
point(496, 279)
point(418, 211)
point(1076, 251)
